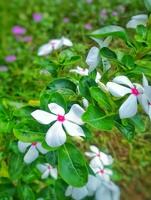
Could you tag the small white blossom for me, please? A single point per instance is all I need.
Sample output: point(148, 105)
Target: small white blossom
point(96, 156)
point(52, 45)
point(85, 72)
point(46, 170)
point(137, 20)
point(101, 171)
point(33, 150)
point(146, 97)
point(71, 122)
point(122, 86)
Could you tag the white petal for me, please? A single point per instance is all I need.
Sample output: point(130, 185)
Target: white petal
point(147, 91)
point(123, 80)
point(93, 58)
point(98, 77)
point(90, 154)
point(54, 173)
point(114, 189)
point(45, 50)
point(81, 71)
point(143, 100)
point(41, 149)
point(56, 43)
point(73, 129)
point(103, 193)
point(31, 155)
point(96, 164)
point(94, 149)
point(79, 193)
point(56, 109)
point(42, 168)
point(93, 183)
point(145, 81)
point(117, 90)
point(141, 16)
point(75, 114)
point(149, 112)
point(68, 191)
point(85, 103)
point(22, 146)
point(67, 42)
point(129, 107)
point(55, 136)
point(45, 174)
point(106, 159)
point(43, 117)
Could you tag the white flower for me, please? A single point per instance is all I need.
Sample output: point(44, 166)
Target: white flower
point(100, 171)
point(52, 45)
point(122, 86)
point(87, 190)
point(56, 135)
point(98, 156)
point(46, 170)
point(137, 20)
point(33, 150)
point(94, 57)
point(85, 102)
point(85, 72)
point(146, 97)
point(107, 191)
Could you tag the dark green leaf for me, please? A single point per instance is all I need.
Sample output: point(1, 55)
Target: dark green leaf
point(72, 166)
point(108, 53)
point(98, 119)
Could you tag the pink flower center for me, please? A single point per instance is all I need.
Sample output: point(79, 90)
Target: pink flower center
point(60, 118)
point(34, 143)
point(98, 154)
point(49, 168)
point(134, 91)
point(149, 103)
point(101, 171)
point(53, 43)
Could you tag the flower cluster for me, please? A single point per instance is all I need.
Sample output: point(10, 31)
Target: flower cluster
point(99, 185)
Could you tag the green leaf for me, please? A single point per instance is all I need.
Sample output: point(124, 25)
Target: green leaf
point(51, 97)
point(72, 166)
point(16, 166)
point(98, 119)
point(110, 30)
point(101, 98)
point(6, 190)
point(60, 189)
point(127, 129)
point(25, 193)
point(148, 4)
point(61, 84)
point(139, 123)
point(29, 131)
point(108, 53)
point(84, 86)
point(128, 61)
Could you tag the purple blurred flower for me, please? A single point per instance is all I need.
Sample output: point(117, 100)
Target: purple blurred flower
point(18, 30)
point(114, 13)
point(88, 26)
point(3, 68)
point(10, 58)
point(37, 17)
point(103, 14)
point(27, 39)
point(121, 9)
point(89, 1)
point(66, 19)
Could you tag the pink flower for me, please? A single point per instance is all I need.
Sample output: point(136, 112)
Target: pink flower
point(27, 39)
point(88, 26)
point(18, 30)
point(10, 58)
point(66, 19)
point(37, 17)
